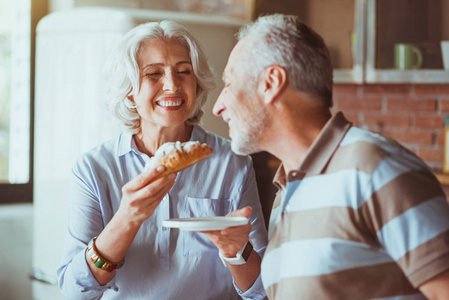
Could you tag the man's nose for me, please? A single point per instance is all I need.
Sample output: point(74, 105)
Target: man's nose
point(219, 106)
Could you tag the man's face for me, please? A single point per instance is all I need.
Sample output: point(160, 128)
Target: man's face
point(240, 106)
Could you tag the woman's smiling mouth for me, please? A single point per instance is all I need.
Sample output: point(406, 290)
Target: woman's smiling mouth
point(170, 102)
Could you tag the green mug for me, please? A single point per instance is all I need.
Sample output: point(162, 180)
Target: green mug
point(407, 57)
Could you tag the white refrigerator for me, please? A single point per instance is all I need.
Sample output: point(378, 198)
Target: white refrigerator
point(70, 117)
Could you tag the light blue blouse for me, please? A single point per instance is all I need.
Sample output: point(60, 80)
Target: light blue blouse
point(161, 263)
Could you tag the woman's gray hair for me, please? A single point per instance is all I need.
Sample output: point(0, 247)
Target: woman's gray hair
point(123, 71)
point(285, 41)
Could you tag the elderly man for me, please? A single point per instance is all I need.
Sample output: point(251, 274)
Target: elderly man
point(357, 216)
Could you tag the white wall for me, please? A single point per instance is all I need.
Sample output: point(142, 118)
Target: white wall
point(15, 251)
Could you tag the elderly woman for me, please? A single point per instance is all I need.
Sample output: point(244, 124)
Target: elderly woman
point(116, 246)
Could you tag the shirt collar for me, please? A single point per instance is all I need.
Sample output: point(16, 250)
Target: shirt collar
point(319, 153)
point(128, 144)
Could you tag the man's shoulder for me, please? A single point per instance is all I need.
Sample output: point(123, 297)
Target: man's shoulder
point(366, 150)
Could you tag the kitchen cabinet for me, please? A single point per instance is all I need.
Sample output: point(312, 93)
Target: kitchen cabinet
point(340, 23)
point(361, 35)
point(420, 23)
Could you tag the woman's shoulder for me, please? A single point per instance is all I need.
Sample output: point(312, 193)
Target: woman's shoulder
point(101, 154)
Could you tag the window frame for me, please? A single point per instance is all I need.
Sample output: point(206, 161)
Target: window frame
point(23, 193)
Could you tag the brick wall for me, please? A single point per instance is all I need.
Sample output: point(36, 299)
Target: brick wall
point(413, 114)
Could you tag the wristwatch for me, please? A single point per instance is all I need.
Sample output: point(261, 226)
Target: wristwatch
point(240, 258)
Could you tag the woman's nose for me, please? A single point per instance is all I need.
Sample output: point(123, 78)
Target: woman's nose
point(170, 82)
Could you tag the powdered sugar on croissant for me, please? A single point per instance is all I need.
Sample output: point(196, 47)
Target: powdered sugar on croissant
point(178, 156)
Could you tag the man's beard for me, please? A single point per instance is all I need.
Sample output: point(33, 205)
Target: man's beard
point(246, 137)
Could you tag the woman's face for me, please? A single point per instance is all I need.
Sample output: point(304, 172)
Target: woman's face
point(167, 94)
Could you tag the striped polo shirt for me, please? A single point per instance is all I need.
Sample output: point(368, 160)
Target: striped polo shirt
point(362, 218)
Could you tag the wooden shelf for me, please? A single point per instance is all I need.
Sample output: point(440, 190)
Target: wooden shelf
point(443, 178)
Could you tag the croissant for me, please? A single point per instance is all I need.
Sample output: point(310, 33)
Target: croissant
point(179, 156)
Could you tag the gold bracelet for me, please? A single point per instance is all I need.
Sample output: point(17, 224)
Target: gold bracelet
point(99, 261)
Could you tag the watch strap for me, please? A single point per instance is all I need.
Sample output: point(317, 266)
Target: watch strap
point(240, 258)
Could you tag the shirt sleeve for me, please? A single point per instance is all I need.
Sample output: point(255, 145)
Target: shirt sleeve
point(258, 235)
point(75, 279)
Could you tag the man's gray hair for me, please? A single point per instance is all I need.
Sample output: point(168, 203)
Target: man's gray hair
point(285, 41)
point(124, 75)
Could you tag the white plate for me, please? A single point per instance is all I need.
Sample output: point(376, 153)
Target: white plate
point(205, 224)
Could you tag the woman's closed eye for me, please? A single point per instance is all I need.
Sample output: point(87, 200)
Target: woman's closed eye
point(184, 71)
point(152, 74)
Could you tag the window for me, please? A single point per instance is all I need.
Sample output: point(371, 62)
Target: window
point(15, 101)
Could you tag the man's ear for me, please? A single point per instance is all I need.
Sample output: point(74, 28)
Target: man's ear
point(273, 81)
